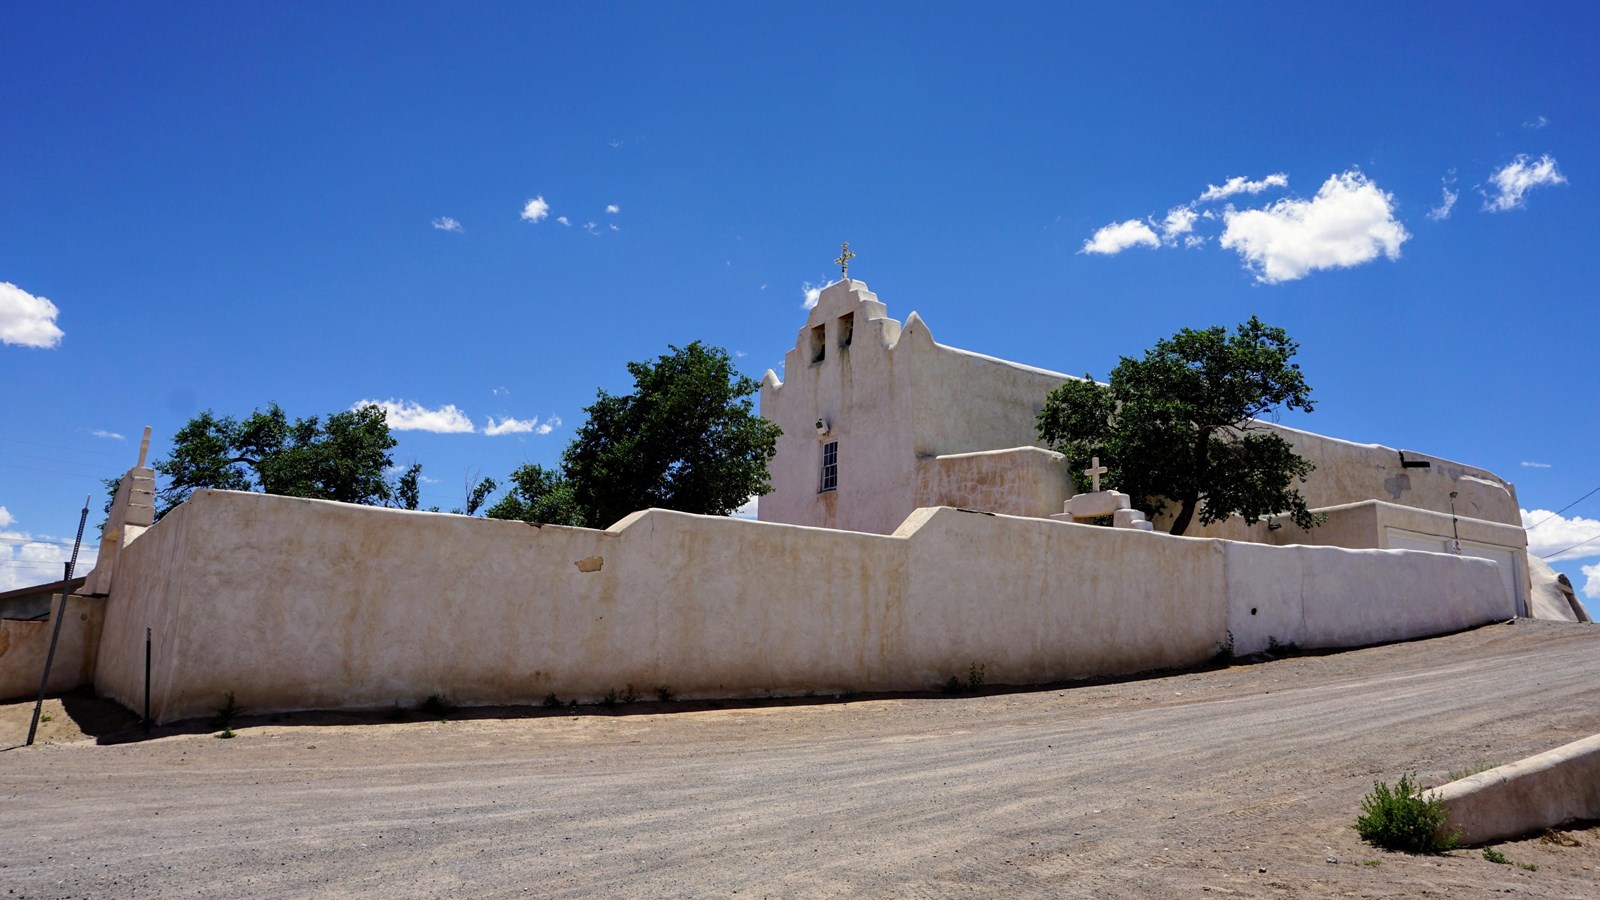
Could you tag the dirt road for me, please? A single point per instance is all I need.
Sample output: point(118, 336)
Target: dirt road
point(1236, 781)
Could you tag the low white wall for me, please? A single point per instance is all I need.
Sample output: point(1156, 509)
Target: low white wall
point(1321, 597)
point(24, 644)
point(1543, 791)
point(291, 604)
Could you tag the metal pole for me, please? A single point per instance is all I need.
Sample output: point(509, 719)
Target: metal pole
point(147, 681)
point(61, 613)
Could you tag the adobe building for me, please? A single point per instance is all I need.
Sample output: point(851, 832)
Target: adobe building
point(880, 420)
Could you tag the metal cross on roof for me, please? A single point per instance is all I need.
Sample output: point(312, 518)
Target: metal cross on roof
point(844, 261)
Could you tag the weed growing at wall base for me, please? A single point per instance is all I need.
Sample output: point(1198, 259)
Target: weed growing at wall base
point(1402, 819)
point(437, 705)
point(1224, 652)
point(228, 711)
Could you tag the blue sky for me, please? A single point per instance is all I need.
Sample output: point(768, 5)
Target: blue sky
point(213, 206)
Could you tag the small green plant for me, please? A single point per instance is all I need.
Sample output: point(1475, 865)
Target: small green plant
point(228, 711)
point(629, 695)
point(1224, 652)
point(1495, 856)
point(1374, 863)
point(437, 705)
point(226, 733)
point(975, 676)
point(664, 693)
point(953, 686)
point(611, 698)
point(45, 718)
point(551, 701)
point(1402, 819)
point(1278, 649)
point(1468, 773)
point(1531, 867)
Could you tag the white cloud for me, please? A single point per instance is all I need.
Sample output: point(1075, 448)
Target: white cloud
point(813, 292)
point(1557, 533)
point(612, 208)
point(26, 320)
point(1119, 236)
point(615, 144)
point(108, 435)
point(1447, 201)
point(29, 559)
point(1591, 587)
point(1242, 185)
point(1514, 181)
point(1534, 465)
point(522, 426)
point(592, 228)
point(564, 220)
point(445, 223)
point(405, 415)
point(1537, 122)
point(535, 210)
point(748, 510)
point(1192, 241)
point(613, 227)
point(1349, 222)
point(510, 426)
point(1179, 221)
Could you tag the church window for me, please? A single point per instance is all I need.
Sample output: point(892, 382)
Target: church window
point(819, 343)
point(847, 327)
point(830, 467)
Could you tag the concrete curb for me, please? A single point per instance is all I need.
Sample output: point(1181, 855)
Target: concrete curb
point(1542, 791)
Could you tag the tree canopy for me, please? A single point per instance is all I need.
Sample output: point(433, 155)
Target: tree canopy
point(341, 457)
point(1180, 426)
point(686, 438)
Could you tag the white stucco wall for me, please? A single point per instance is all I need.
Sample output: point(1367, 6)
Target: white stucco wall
point(24, 644)
point(291, 604)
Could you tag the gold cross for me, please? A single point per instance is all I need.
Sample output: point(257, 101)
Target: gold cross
point(844, 261)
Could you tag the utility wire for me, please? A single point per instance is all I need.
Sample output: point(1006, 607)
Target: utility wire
point(1573, 547)
point(12, 540)
point(1563, 509)
point(60, 447)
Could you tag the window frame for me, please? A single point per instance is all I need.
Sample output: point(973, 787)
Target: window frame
point(828, 481)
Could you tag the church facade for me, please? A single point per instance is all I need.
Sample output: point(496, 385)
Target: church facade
point(880, 420)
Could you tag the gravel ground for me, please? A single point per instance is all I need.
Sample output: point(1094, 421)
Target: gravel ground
point(1242, 780)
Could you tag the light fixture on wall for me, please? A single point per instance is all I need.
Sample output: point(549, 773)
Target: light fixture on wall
point(823, 428)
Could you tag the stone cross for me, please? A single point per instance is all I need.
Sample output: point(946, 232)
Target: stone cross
point(1094, 472)
point(844, 261)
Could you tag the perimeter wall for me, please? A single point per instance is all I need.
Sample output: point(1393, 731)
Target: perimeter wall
point(295, 604)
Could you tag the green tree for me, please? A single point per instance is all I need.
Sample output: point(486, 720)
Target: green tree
point(1180, 426)
point(686, 438)
point(538, 495)
point(342, 457)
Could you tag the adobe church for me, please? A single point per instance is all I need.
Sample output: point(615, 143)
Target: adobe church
point(880, 420)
